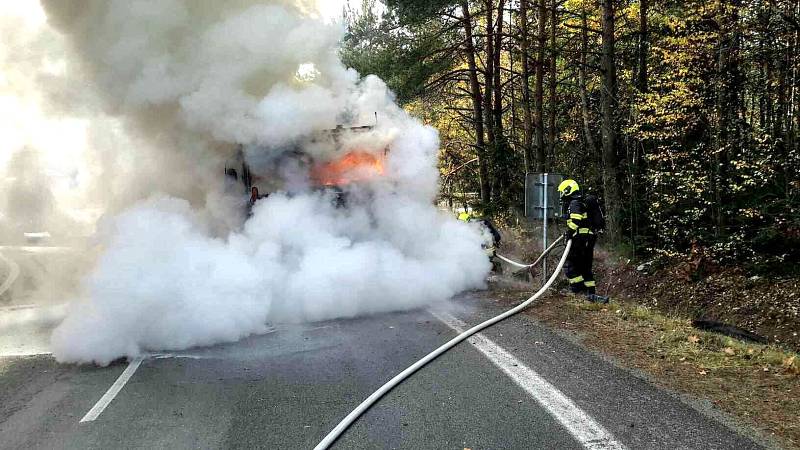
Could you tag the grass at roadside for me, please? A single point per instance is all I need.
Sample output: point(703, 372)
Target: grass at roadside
point(680, 342)
point(759, 384)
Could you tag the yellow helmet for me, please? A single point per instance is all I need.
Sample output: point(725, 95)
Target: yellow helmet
point(464, 216)
point(568, 187)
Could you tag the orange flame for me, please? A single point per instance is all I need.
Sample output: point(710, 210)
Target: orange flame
point(354, 166)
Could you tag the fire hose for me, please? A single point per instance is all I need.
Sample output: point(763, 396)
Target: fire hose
point(399, 378)
point(535, 263)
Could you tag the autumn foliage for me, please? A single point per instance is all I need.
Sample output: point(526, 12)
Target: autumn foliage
point(683, 115)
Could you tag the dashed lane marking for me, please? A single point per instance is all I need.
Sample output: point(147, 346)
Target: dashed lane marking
point(112, 392)
point(22, 353)
point(16, 307)
point(580, 425)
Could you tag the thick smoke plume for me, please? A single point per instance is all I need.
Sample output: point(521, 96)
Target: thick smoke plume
point(190, 81)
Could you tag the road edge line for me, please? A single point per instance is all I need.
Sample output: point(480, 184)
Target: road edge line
point(578, 423)
point(112, 392)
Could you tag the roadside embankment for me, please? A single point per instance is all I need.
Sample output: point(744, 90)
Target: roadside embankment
point(769, 307)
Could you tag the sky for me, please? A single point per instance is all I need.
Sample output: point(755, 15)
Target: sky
point(59, 140)
point(332, 9)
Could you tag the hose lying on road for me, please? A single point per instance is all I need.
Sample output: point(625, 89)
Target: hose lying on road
point(369, 401)
point(13, 273)
point(535, 263)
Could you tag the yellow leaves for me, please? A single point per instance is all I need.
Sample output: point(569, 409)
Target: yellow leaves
point(693, 339)
point(569, 135)
point(791, 365)
point(729, 351)
point(577, 5)
point(750, 213)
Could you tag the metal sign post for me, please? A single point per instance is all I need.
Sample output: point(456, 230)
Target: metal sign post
point(544, 225)
point(541, 202)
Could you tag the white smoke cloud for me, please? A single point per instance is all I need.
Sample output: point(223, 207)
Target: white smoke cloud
point(188, 81)
point(163, 284)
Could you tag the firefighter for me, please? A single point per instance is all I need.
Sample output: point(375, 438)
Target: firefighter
point(490, 246)
point(254, 196)
point(578, 267)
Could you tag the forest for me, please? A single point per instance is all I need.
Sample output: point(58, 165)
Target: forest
point(681, 115)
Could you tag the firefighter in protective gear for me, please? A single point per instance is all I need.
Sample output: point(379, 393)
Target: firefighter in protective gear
point(492, 237)
point(578, 267)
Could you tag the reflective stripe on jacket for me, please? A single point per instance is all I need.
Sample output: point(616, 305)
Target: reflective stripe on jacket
point(578, 218)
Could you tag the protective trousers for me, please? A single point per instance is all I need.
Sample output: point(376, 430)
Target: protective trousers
point(578, 267)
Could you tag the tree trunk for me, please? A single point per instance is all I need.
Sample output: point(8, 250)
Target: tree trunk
point(501, 176)
point(783, 75)
point(720, 144)
point(527, 120)
point(640, 147)
point(769, 96)
point(488, 93)
point(551, 129)
point(790, 128)
point(498, 84)
point(609, 106)
point(538, 120)
point(643, 50)
point(729, 84)
point(477, 105)
point(488, 104)
point(587, 129)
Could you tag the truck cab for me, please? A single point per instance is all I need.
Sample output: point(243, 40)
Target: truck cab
point(259, 171)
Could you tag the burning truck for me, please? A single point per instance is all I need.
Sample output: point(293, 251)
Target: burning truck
point(258, 171)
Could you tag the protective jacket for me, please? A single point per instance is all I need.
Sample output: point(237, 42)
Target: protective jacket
point(578, 218)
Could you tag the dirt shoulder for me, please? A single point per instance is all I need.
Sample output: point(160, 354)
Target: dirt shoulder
point(769, 307)
point(757, 384)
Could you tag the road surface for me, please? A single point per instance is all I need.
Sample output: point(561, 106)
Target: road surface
point(288, 388)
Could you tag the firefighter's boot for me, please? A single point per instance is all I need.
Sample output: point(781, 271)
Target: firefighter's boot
point(594, 298)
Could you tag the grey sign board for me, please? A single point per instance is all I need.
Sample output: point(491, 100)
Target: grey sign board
point(541, 195)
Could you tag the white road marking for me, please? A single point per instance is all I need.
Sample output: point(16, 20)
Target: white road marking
point(16, 307)
point(37, 249)
point(22, 353)
point(583, 428)
point(13, 274)
point(175, 356)
point(112, 392)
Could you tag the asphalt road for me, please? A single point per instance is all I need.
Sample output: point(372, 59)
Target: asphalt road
point(288, 388)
